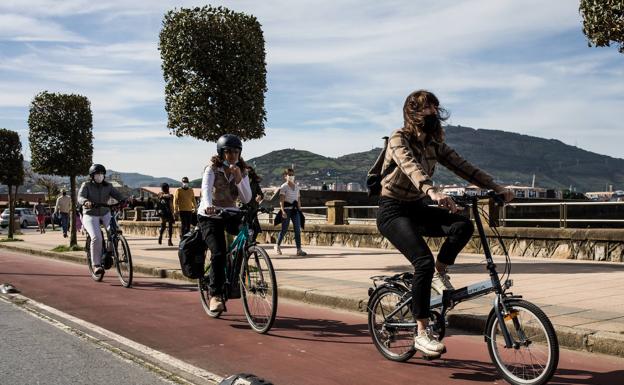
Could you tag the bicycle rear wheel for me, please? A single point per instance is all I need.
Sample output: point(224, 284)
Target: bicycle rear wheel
point(258, 289)
point(533, 358)
point(203, 285)
point(96, 277)
point(123, 261)
point(396, 343)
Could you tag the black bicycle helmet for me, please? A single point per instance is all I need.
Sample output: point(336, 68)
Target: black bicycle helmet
point(97, 168)
point(228, 141)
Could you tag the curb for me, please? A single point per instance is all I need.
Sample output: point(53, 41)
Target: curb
point(572, 338)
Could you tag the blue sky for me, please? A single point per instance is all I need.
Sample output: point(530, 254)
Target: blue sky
point(338, 73)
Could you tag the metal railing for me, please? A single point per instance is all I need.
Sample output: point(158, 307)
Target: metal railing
point(563, 218)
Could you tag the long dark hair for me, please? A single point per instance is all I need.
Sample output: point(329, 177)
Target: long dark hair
point(413, 117)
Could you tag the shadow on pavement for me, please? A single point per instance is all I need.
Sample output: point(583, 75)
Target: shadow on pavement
point(320, 330)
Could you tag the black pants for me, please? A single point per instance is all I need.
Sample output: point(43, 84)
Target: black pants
point(405, 223)
point(213, 232)
point(164, 221)
point(186, 217)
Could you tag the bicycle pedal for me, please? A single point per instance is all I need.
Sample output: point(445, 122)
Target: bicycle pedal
point(430, 357)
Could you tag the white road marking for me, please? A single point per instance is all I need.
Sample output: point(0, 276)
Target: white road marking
point(155, 354)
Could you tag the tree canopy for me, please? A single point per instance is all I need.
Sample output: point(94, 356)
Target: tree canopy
point(61, 137)
point(11, 158)
point(213, 62)
point(603, 22)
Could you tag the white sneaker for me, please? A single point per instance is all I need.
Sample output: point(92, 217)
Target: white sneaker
point(441, 282)
point(428, 345)
point(277, 249)
point(216, 304)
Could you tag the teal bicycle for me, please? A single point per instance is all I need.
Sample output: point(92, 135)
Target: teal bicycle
point(249, 275)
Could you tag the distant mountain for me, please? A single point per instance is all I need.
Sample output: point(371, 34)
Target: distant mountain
point(509, 157)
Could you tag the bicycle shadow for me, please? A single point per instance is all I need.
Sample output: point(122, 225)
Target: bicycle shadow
point(477, 371)
point(320, 330)
point(139, 285)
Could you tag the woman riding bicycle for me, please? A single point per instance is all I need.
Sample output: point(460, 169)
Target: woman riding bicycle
point(225, 180)
point(404, 216)
point(92, 194)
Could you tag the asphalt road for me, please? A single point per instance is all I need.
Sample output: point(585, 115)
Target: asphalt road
point(307, 345)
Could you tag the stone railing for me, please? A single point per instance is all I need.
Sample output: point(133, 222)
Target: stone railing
point(581, 244)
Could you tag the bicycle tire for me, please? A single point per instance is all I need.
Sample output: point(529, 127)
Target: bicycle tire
point(537, 374)
point(124, 260)
point(95, 277)
point(382, 336)
point(203, 284)
point(256, 290)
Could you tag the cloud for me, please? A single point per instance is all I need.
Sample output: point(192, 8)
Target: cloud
point(22, 28)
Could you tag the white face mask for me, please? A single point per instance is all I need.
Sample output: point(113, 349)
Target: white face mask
point(98, 178)
point(184, 185)
point(291, 178)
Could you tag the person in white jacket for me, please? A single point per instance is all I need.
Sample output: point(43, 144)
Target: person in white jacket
point(225, 182)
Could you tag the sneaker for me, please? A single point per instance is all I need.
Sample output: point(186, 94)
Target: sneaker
point(301, 253)
point(426, 344)
point(277, 249)
point(441, 282)
point(216, 304)
point(98, 270)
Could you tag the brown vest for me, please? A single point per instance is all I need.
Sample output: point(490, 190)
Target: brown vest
point(224, 192)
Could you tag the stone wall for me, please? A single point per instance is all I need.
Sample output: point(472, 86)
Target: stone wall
point(581, 244)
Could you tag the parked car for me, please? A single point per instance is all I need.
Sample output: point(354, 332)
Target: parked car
point(25, 216)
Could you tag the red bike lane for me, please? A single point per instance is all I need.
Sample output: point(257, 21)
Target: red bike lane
point(307, 344)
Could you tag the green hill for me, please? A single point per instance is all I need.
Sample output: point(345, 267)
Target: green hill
point(511, 158)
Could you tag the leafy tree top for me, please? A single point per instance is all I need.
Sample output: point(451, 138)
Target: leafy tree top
point(213, 61)
point(61, 137)
point(603, 22)
point(11, 158)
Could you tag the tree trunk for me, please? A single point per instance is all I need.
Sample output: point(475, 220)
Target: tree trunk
point(11, 212)
point(73, 241)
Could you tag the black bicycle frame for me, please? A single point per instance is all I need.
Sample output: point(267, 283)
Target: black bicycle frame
point(449, 298)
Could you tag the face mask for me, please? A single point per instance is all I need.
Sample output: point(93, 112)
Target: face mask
point(184, 185)
point(98, 178)
point(431, 124)
point(291, 178)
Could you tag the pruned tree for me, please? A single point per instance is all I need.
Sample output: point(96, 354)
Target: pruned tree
point(603, 22)
point(61, 139)
point(213, 61)
point(11, 169)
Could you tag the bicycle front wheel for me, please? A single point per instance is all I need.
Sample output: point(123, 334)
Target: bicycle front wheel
point(533, 357)
point(123, 261)
point(258, 289)
point(96, 277)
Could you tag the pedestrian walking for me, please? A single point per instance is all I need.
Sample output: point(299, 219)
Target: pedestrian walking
point(62, 208)
point(164, 209)
point(184, 206)
point(40, 211)
point(290, 207)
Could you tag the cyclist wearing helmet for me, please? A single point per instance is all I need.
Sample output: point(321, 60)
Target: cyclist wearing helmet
point(95, 192)
point(224, 182)
point(404, 215)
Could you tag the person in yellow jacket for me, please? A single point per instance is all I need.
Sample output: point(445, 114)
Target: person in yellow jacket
point(184, 205)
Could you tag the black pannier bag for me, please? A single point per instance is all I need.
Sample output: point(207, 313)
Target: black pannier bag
point(192, 254)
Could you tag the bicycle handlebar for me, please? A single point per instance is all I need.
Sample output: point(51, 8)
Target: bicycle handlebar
point(467, 200)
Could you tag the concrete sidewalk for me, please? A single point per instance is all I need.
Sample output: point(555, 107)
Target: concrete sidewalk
point(583, 299)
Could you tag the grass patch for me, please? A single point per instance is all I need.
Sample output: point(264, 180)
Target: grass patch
point(11, 240)
point(64, 248)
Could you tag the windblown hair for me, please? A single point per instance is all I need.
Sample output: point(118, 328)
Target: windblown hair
point(413, 116)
